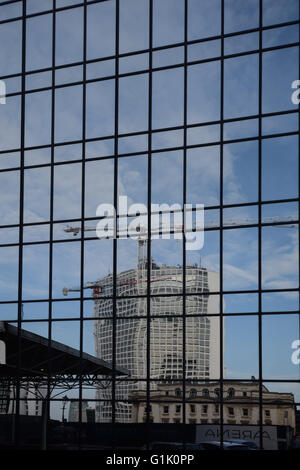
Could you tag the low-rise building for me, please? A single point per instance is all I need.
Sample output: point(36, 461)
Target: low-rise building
point(240, 404)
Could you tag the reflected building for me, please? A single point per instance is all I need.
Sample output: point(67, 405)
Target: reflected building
point(87, 413)
point(165, 338)
point(240, 404)
point(30, 399)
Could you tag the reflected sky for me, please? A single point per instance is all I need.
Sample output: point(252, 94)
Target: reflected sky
point(240, 160)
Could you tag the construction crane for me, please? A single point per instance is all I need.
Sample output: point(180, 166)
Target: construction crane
point(96, 289)
point(165, 228)
point(160, 230)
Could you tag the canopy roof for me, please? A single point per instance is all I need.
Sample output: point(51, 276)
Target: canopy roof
point(39, 357)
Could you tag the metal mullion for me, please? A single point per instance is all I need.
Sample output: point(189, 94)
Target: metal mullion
point(9, 2)
point(50, 253)
point(260, 364)
point(184, 203)
point(163, 150)
point(149, 220)
point(167, 129)
point(45, 12)
point(221, 220)
point(157, 69)
point(129, 54)
point(21, 220)
point(82, 239)
point(115, 241)
point(299, 183)
point(144, 317)
point(209, 208)
point(225, 292)
point(157, 48)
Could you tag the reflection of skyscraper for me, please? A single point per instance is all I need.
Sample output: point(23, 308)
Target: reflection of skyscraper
point(74, 411)
point(166, 332)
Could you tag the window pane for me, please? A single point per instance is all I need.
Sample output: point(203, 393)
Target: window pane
point(67, 191)
point(9, 273)
point(134, 34)
point(168, 24)
point(39, 42)
point(280, 257)
point(99, 185)
point(36, 272)
point(37, 195)
point(279, 71)
point(9, 192)
point(203, 92)
point(101, 29)
point(10, 123)
point(38, 119)
point(69, 36)
point(133, 104)
point(240, 172)
point(100, 107)
point(239, 17)
point(280, 11)
point(203, 176)
point(279, 168)
point(68, 113)
point(204, 18)
point(241, 335)
point(241, 86)
point(10, 55)
point(167, 96)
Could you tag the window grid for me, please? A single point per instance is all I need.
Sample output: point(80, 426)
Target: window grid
point(149, 132)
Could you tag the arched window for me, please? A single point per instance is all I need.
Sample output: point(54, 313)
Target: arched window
point(177, 392)
point(205, 392)
point(193, 393)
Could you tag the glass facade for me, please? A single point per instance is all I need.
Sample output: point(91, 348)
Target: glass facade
point(168, 104)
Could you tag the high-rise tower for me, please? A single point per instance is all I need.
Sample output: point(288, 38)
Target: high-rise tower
point(202, 337)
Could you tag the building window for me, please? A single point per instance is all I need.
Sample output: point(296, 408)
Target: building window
point(101, 104)
point(193, 408)
point(178, 408)
point(245, 412)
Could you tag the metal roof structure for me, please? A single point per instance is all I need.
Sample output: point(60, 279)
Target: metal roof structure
point(40, 358)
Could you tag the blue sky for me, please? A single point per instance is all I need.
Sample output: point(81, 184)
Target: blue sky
point(279, 156)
